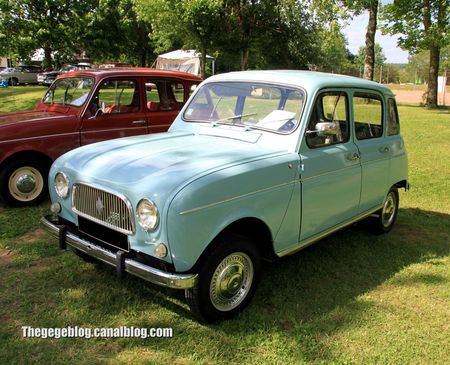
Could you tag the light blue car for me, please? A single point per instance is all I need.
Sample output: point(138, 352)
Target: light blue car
point(257, 165)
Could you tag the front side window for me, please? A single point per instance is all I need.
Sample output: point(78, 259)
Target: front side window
point(368, 115)
point(118, 96)
point(274, 108)
point(71, 91)
point(329, 122)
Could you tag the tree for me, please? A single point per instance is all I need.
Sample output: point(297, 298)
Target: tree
point(114, 32)
point(333, 49)
point(335, 9)
point(54, 25)
point(423, 25)
point(369, 60)
point(201, 19)
point(178, 23)
point(379, 57)
point(15, 42)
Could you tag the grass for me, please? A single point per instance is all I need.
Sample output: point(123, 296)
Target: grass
point(352, 298)
point(20, 97)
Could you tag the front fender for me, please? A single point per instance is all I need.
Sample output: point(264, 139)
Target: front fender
point(259, 189)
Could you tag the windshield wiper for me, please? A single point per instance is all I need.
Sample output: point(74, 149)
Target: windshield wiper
point(223, 121)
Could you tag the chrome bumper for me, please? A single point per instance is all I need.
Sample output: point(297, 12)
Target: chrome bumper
point(148, 273)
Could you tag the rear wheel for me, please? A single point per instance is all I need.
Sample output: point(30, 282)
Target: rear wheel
point(24, 182)
point(227, 280)
point(386, 216)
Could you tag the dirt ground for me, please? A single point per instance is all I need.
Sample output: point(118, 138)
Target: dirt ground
point(416, 96)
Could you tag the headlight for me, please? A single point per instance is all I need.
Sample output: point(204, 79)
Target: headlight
point(61, 185)
point(147, 213)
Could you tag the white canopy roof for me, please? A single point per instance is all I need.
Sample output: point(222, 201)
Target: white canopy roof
point(181, 60)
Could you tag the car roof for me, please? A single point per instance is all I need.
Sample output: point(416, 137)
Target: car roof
point(132, 71)
point(309, 80)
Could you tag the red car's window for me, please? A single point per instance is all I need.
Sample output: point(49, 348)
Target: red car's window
point(69, 91)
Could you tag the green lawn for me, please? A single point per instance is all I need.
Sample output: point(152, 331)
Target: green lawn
point(20, 97)
point(352, 298)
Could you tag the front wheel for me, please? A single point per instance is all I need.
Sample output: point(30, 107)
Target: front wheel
point(387, 215)
point(227, 280)
point(24, 182)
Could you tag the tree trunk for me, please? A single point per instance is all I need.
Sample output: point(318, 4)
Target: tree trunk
point(47, 57)
point(432, 87)
point(203, 63)
point(244, 59)
point(369, 60)
point(143, 58)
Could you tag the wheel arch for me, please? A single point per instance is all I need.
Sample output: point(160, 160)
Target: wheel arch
point(27, 154)
point(253, 228)
point(402, 184)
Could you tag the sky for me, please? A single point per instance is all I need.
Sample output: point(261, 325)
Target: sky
point(356, 33)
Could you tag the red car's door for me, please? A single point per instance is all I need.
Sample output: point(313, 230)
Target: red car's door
point(116, 110)
point(164, 100)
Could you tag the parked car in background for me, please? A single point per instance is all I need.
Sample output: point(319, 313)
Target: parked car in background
point(25, 74)
point(46, 78)
point(257, 165)
point(80, 108)
point(114, 64)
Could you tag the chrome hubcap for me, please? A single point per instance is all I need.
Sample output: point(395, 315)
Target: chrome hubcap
point(231, 281)
point(388, 212)
point(25, 183)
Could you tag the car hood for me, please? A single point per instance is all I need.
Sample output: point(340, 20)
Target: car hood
point(21, 117)
point(156, 164)
point(34, 124)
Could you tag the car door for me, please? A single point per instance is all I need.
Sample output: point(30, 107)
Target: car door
point(331, 172)
point(395, 144)
point(368, 121)
point(115, 111)
point(164, 100)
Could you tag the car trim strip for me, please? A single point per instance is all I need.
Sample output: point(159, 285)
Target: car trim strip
point(309, 241)
point(237, 197)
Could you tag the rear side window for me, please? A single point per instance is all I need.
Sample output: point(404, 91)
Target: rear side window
point(368, 115)
point(393, 123)
point(164, 95)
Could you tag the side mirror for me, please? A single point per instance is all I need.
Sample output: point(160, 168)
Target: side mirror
point(100, 111)
point(326, 128)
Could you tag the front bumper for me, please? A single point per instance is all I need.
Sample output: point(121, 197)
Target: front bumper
point(133, 267)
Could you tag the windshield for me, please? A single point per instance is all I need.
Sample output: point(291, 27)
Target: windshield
point(69, 91)
point(252, 105)
point(7, 70)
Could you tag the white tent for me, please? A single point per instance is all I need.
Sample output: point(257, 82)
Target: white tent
point(182, 60)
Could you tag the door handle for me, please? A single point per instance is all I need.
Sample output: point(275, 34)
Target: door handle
point(352, 156)
point(384, 149)
point(140, 121)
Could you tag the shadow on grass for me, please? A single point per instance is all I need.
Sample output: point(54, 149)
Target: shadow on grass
point(300, 299)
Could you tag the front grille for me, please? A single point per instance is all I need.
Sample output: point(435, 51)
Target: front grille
point(103, 207)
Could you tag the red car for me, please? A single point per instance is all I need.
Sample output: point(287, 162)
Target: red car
point(79, 108)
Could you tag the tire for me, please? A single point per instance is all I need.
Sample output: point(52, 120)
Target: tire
point(13, 81)
point(24, 182)
point(387, 215)
point(234, 263)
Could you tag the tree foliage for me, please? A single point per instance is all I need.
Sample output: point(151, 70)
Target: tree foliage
point(114, 32)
